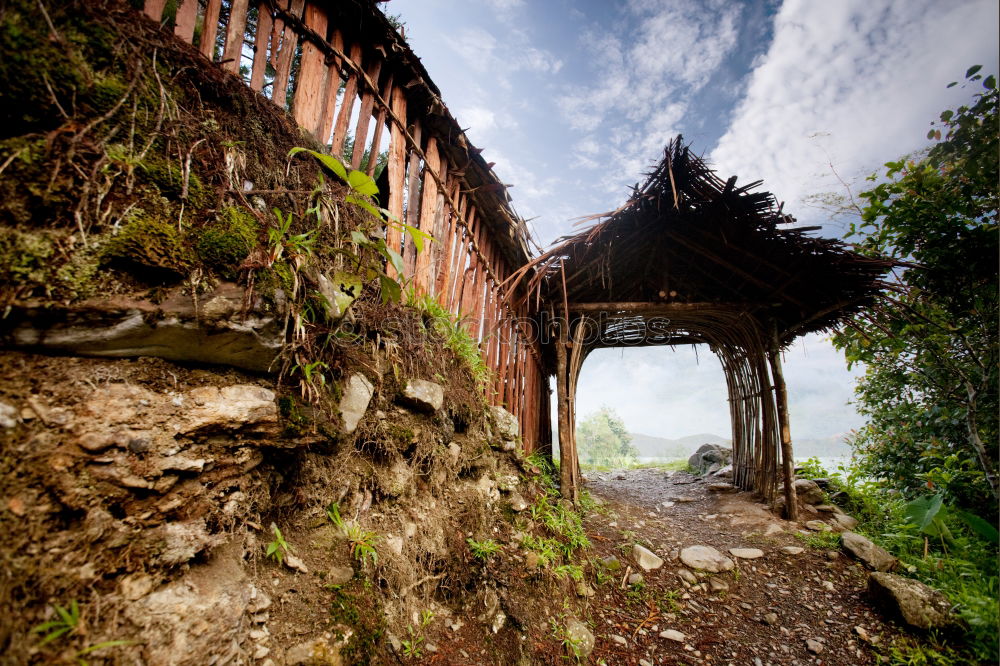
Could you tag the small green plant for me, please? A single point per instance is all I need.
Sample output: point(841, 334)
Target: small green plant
point(362, 543)
point(66, 620)
point(279, 548)
point(821, 540)
point(571, 570)
point(364, 193)
point(333, 513)
point(483, 550)
point(668, 601)
point(572, 645)
point(412, 646)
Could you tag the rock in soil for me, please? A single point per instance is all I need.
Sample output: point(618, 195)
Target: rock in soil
point(706, 558)
point(873, 556)
point(646, 558)
point(920, 606)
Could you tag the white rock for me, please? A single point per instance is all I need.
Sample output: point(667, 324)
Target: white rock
point(673, 635)
point(507, 426)
point(706, 558)
point(792, 550)
point(746, 553)
point(424, 395)
point(646, 558)
point(8, 415)
point(294, 563)
point(354, 403)
point(580, 637)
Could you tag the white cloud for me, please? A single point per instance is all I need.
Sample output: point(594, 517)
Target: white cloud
point(853, 82)
point(648, 68)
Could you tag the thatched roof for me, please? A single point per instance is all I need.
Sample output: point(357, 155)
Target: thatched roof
point(687, 241)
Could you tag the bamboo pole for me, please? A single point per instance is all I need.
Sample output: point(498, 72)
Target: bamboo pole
point(781, 395)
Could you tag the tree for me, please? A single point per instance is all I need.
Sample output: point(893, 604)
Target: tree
point(930, 342)
point(603, 441)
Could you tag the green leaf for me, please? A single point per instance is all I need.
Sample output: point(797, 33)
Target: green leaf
point(365, 204)
point(101, 646)
point(980, 527)
point(922, 511)
point(418, 236)
point(362, 183)
point(329, 161)
point(54, 635)
point(972, 70)
point(990, 82)
point(359, 238)
point(391, 291)
point(395, 258)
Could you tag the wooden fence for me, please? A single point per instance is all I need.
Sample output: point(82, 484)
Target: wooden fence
point(345, 74)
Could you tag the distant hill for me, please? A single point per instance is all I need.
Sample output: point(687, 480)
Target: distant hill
point(662, 447)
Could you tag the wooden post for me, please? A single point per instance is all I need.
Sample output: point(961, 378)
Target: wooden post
point(187, 17)
point(781, 395)
point(397, 173)
point(233, 51)
point(379, 128)
point(346, 105)
point(567, 455)
point(260, 43)
point(423, 280)
point(210, 29)
point(365, 118)
point(331, 87)
point(310, 90)
point(154, 9)
point(283, 62)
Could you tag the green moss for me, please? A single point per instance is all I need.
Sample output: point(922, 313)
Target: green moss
point(224, 244)
point(364, 618)
point(105, 93)
point(296, 421)
point(168, 178)
point(25, 257)
point(151, 249)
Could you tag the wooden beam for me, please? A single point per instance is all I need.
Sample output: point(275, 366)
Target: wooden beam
point(653, 307)
point(566, 453)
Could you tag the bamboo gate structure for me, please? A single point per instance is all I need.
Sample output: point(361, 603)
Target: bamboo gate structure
point(692, 259)
point(688, 259)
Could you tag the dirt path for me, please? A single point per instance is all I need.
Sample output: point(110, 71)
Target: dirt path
point(778, 609)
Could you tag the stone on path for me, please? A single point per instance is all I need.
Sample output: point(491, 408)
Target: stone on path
point(687, 576)
point(635, 579)
point(818, 526)
point(706, 558)
point(808, 491)
point(792, 550)
point(773, 529)
point(770, 618)
point(673, 635)
point(814, 645)
point(921, 606)
point(746, 553)
point(845, 522)
point(580, 637)
point(646, 558)
point(717, 585)
point(873, 556)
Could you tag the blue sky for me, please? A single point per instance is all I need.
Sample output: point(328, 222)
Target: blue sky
point(573, 101)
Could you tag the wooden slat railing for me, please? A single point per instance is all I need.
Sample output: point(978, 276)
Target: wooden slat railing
point(342, 71)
